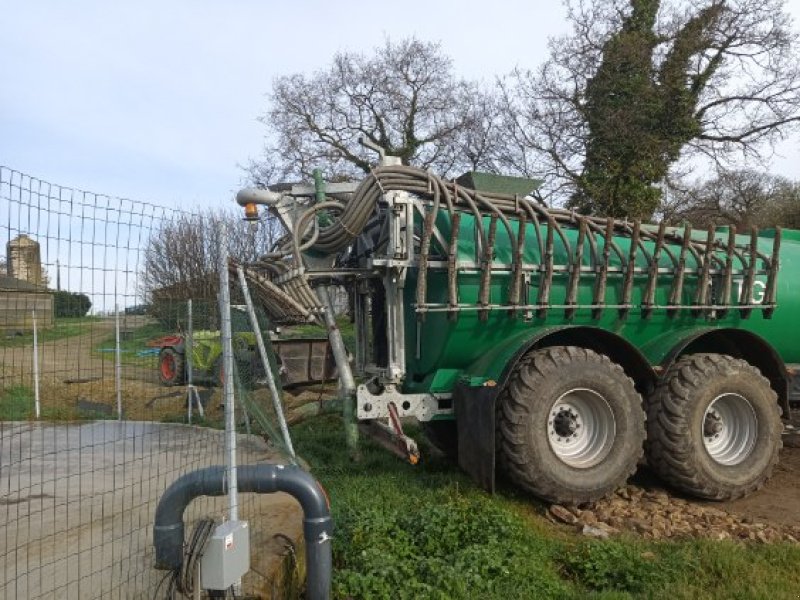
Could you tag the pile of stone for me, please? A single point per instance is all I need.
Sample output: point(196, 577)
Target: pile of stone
point(654, 514)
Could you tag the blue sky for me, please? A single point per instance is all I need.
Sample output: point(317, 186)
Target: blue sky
point(157, 101)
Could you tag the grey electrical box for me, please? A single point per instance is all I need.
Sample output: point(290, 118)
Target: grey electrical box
point(227, 556)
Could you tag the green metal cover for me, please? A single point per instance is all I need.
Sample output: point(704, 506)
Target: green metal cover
point(500, 184)
point(472, 347)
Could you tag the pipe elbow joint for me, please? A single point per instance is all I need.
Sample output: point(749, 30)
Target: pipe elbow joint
point(257, 196)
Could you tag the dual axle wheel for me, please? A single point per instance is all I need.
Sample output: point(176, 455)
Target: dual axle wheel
point(572, 428)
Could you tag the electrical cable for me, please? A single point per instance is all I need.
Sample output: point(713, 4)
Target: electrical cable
point(183, 579)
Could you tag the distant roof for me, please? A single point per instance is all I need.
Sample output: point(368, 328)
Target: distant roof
point(12, 284)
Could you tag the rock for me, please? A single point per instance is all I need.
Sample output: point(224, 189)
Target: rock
point(715, 512)
point(595, 532)
point(563, 515)
point(659, 521)
point(602, 514)
point(654, 514)
point(640, 525)
point(659, 495)
point(575, 511)
point(616, 522)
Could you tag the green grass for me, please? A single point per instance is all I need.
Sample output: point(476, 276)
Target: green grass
point(132, 343)
point(63, 328)
point(428, 532)
point(17, 404)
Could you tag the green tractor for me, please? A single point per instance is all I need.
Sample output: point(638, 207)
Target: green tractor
point(206, 357)
point(299, 361)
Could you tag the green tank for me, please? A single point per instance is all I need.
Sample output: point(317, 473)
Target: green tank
point(557, 347)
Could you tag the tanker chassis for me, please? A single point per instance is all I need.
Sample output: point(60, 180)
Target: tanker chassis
point(558, 347)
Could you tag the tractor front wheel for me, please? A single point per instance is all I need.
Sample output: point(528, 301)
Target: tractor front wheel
point(170, 367)
point(571, 425)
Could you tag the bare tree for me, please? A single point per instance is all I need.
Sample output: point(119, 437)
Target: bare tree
point(404, 98)
point(640, 85)
point(743, 198)
point(181, 259)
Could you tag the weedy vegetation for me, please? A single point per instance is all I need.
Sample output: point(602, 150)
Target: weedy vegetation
point(429, 532)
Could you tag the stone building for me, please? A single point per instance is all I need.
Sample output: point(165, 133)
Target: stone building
point(24, 260)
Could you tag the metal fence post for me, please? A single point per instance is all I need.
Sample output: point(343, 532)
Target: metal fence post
point(227, 373)
point(192, 397)
point(36, 399)
point(348, 384)
point(118, 364)
point(262, 351)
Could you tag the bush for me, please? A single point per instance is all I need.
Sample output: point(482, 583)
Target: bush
point(70, 304)
point(614, 565)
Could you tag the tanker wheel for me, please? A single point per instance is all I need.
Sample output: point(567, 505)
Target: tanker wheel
point(714, 427)
point(170, 367)
point(571, 425)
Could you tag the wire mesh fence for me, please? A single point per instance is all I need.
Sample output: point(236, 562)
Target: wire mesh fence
point(110, 364)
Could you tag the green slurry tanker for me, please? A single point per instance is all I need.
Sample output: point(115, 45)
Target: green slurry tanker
point(556, 347)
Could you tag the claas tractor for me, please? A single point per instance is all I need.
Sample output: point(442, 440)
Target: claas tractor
point(298, 361)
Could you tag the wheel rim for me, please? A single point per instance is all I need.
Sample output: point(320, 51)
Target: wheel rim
point(168, 366)
point(730, 429)
point(581, 428)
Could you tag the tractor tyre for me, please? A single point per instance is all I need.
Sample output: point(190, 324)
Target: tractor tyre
point(170, 367)
point(571, 425)
point(714, 427)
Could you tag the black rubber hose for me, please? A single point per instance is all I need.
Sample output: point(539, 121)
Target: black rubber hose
point(168, 531)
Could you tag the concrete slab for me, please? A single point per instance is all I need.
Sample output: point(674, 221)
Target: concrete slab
point(77, 503)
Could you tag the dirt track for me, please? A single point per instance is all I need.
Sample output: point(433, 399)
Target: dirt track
point(779, 501)
point(73, 358)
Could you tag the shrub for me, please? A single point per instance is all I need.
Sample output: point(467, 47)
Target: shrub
point(70, 304)
point(614, 565)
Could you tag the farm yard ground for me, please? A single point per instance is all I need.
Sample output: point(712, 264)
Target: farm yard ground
point(427, 531)
point(78, 502)
point(419, 532)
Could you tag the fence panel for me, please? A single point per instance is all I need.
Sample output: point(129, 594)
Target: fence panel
point(94, 418)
